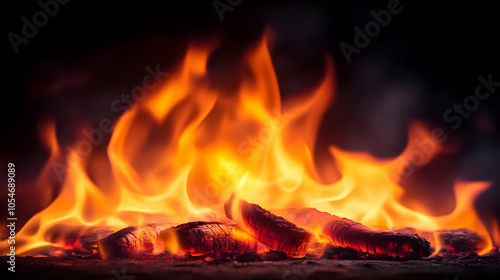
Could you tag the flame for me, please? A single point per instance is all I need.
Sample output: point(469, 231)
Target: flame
point(178, 155)
point(464, 216)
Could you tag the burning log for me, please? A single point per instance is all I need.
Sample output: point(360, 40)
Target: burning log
point(84, 241)
point(129, 240)
point(461, 240)
point(455, 240)
point(202, 238)
point(347, 233)
point(271, 230)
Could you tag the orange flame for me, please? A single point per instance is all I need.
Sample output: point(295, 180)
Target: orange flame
point(177, 156)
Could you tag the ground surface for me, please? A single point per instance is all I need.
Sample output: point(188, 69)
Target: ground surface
point(167, 267)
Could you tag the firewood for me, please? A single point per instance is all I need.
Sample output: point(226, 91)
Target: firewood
point(129, 240)
point(271, 230)
point(454, 240)
point(347, 233)
point(84, 240)
point(202, 238)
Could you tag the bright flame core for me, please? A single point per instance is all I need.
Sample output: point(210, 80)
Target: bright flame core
point(177, 156)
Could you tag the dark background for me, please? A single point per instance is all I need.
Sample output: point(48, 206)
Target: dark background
point(424, 61)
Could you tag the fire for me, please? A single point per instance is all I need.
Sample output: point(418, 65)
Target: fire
point(177, 156)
